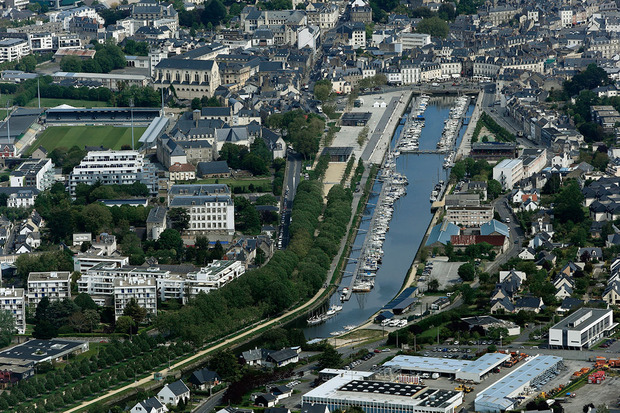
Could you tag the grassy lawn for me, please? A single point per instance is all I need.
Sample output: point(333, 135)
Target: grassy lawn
point(266, 182)
point(52, 102)
point(68, 136)
point(3, 98)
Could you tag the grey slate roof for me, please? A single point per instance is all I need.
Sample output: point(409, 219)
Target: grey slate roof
point(156, 215)
point(215, 167)
point(178, 388)
point(186, 64)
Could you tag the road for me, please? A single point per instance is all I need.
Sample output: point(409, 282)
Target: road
point(291, 180)
point(516, 234)
point(210, 403)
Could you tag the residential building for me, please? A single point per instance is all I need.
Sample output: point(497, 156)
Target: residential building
point(508, 172)
point(82, 262)
point(582, 329)
point(150, 405)
point(469, 216)
point(204, 379)
point(173, 393)
point(156, 222)
point(210, 209)
point(34, 173)
point(142, 289)
point(414, 40)
point(24, 198)
point(13, 301)
point(182, 172)
point(114, 167)
point(55, 285)
point(13, 49)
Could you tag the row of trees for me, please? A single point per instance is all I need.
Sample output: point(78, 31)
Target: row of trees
point(109, 57)
point(287, 278)
point(115, 364)
point(302, 130)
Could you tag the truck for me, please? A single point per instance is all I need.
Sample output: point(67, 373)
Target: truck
point(435, 376)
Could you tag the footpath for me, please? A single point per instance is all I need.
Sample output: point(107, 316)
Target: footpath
point(465, 147)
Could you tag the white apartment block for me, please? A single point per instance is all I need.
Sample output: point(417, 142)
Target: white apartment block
point(41, 42)
point(508, 172)
point(143, 290)
point(54, 285)
point(13, 49)
point(21, 199)
point(413, 40)
point(12, 300)
point(469, 216)
point(566, 16)
point(410, 73)
point(113, 167)
point(38, 174)
point(65, 16)
point(82, 262)
point(582, 329)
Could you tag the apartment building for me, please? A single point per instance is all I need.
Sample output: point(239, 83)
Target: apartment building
point(413, 40)
point(82, 262)
point(35, 173)
point(12, 300)
point(323, 15)
point(581, 329)
point(508, 172)
point(114, 167)
point(55, 285)
point(143, 290)
point(13, 49)
point(469, 216)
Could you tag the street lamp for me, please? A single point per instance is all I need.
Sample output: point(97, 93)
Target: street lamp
point(131, 106)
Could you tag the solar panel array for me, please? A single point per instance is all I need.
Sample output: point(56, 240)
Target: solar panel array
point(396, 389)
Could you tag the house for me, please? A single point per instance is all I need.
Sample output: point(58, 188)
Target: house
point(151, 405)
point(534, 304)
point(570, 268)
point(255, 357)
point(568, 304)
point(529, 205)
point(589, 253)
point(611, 295)
point(204, 379)
point(282, 357)
point(314, 408)
point(563, 279)
point(542, 239)
point(265, 400)
point(174, 393)
point(527, 254)
point(502, 305)
point(281, 392)
point(564, 291)
point(503, 275)
point(544, 257)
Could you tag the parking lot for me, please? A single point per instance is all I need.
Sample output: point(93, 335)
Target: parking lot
point(446, 273)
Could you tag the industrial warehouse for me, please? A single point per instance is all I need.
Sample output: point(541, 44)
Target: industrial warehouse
point(474, 371)
point(508, 392)
point(353, 389)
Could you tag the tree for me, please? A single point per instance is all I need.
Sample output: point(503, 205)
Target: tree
point(27, 64)
point(214, 13)
point(567, 205)
point(170, 239)
point(7, 327)
point(467, 271)
point(226, 365)
point(71, 64)
point(133, 310)
point(433, 26)
point(179, 218)
point(433, 285)
point(92, 318)
point(446, 11)
point(322, 89)
point(85, 302)
point(330, 358)
point(124, 324)
point(196, 104)
point(494, 189)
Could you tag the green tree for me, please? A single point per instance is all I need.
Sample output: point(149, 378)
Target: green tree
point(7, 327)
point(71, 64)
point(446, 11)
point(567, 205)
point(214, 13)
point(171, 239)
point(124, 324)
point(226, 365)
point(85, 302)
point(434, 26)
point(196, 104)
point(179, 218)
point(330, 358)
point(133, 310)
point(467, 271)
point(322, 89)
point(494, 188)
point(433, 285)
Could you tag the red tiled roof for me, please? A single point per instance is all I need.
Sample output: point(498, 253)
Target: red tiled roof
point(185, 167)
point(463, 240)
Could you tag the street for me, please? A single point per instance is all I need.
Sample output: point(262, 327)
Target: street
point(516, 234)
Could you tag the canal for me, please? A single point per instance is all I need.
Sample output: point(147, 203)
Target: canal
point(409, 223)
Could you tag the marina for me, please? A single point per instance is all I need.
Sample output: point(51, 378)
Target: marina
point(409, 221)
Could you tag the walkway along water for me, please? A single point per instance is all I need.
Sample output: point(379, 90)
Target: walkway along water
point(408, 226)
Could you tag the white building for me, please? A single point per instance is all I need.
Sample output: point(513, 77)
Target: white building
point(210, 208)
point(113, 168)
point(503, 394)
point(410, 73)
point(83, 261)
point(41, 42)
point(143, 290)
point(54, 285)
point(173, 393)
point(582, 329)
point(12, 300)
point(372, 396)
point(65, 16)
point(508, 172)
point(566, 16)
point(534, 161)
point(38, 174)
point(21, 199)
point(413, 40)
point(13, 49)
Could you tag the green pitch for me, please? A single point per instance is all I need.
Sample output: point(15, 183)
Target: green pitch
point(68, 136)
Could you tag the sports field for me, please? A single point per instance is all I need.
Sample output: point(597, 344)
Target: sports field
point(67, 136)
